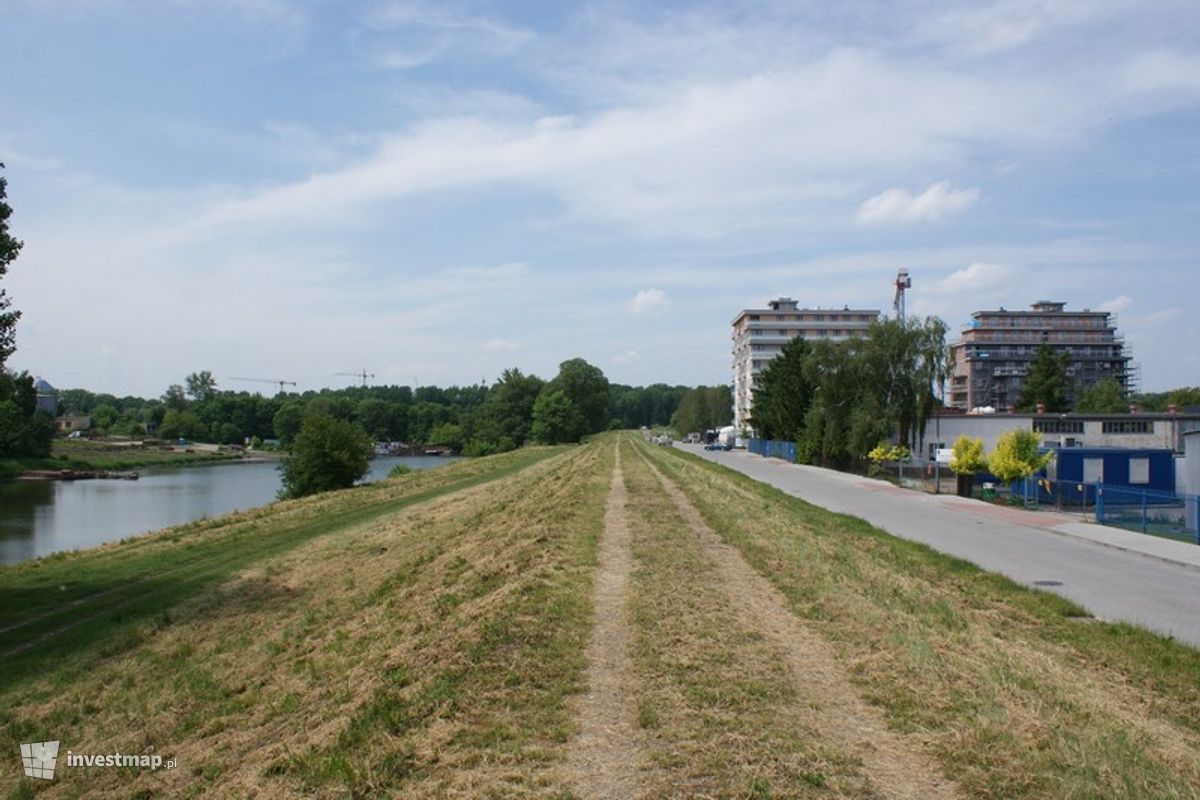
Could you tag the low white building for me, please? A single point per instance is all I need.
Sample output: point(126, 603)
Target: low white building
point(1135, 430)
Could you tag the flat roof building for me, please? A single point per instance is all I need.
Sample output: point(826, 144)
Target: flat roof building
point(992, 357)
point(759, 335)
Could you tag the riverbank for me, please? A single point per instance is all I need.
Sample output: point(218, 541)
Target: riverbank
point(41, 517)
point(86, 455)
point(557, 621)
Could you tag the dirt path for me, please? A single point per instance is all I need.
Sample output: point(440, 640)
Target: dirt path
point(605, 758)
point(895, 767)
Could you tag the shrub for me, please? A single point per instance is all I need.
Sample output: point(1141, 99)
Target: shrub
point(327, 454)
point(1016, 456)
point(968, 458)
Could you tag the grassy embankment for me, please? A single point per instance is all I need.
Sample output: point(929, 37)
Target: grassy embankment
point(84, 454)
point(1017, 692)
point(424, 637)
point(419, 632)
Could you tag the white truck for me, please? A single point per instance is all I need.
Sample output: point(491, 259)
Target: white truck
point(728, 437)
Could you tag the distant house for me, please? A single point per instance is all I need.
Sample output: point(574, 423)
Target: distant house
point(47, 397)
point(69, 423)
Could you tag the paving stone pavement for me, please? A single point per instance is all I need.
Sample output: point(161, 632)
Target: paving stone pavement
point(1115, 574)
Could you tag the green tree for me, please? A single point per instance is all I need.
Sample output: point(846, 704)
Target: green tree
point(328, 454)
point(183, 425)
point(784, 394)
point(9, 248)
point(504, 419)
point(1046, 382)
point(104, 417)
point(175, 398)
point(376, 417)
point(228, 433)
point(286, 423)
point(1184, 397)
point(587, 389)
point(447, 435)
point(1103, 397)
point(201, 386)
point(12, 423)
point(1016, 457)
point(555, 418)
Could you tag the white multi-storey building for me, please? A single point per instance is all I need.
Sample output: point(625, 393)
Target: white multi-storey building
point(760, 333)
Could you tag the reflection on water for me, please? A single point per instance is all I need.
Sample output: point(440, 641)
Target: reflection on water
point(42, 517)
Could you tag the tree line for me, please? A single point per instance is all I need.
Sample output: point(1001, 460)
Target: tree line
point(839, 400)
point(476, 420)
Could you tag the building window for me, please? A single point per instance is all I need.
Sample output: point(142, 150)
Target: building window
point(1139, 470)
point(1128, 426)
point(1058, 426)
point(1093, 470)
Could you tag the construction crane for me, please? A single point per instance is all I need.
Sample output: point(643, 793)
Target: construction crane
point(281, 384)
point(902, 282)
point(364, 375)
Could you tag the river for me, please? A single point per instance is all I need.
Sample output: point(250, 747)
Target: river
point(38, 518)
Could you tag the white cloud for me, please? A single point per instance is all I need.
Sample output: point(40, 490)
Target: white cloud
point(500, 344)
point(627, 357)
point(934, 204)
point(978, 277)
point(1162, 71)
point(416, 34)
point(648, 301)
point(1116, 304)
point(1155, 318)
point(510, 269)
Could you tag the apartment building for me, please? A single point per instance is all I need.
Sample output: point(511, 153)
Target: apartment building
point(993, 354)
point(759, 334)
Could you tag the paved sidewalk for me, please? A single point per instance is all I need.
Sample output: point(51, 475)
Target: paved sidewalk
point(1115, 574)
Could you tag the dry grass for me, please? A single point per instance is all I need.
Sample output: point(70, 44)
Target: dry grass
point(716, 698)
point(423, 654)
point(1013, 697)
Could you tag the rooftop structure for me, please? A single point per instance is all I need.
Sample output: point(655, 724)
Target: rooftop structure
point(992, 357)
point(47, 397)
point(759, 334)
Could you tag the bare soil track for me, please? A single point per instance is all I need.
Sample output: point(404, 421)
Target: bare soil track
point(604, 761)
point(895, 765)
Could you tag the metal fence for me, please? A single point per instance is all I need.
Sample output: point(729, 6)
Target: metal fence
point(1174, 516)
point(773, 449)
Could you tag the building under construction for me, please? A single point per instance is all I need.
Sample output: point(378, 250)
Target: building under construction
point(992, 358)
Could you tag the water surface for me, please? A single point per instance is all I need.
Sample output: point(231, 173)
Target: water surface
point(42, 517)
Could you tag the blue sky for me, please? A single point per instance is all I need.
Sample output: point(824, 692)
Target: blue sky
point(437, 191)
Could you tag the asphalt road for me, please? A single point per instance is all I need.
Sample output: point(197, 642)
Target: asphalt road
point(1116, 575)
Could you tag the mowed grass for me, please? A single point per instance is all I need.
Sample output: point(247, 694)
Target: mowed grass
point(1015, 691)
point(90, 599)
point(716, 703)
point(415, 654)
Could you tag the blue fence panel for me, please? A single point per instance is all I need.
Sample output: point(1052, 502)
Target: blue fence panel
point(771, 448)
point(1175, 516)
